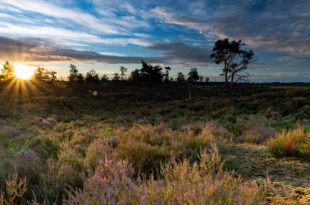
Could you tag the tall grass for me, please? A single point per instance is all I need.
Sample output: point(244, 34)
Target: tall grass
point(295, 142)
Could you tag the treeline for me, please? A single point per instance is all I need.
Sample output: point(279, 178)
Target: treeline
point(230, 54)
point(148, 73)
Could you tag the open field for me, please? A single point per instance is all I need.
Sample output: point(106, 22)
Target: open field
point(130, 144)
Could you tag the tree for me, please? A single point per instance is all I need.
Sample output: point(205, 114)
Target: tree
point(135, 75)
point(116, 77)
point(39, 73)
point(193, 75)
point(7, 71)
point(234, 59)
point(52, 76)
point(74, 75)
point(45, 75)
point(148, 73)
point(181, 77)
point(123, 72)
point(92, 77)
point(104, 78)
point(166, 75)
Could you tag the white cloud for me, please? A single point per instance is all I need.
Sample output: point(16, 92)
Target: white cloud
point(51, 10)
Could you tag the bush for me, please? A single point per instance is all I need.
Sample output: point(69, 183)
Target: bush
point(99, 149)
point(145, 158)
point(294, 142)
point(256, 132)
point(182, 183)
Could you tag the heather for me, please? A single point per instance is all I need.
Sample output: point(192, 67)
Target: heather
point(131, 144)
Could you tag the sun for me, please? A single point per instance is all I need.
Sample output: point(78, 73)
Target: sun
point(23, 72)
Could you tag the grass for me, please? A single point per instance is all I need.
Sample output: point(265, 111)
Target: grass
point(129, 146)
point(294, 142)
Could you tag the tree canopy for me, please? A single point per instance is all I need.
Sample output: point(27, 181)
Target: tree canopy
point(234, 59)
point(148, 73)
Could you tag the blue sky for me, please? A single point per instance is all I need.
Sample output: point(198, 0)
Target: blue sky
point(104, 34)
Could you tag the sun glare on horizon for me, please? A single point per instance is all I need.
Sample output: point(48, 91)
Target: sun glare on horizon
point(23, 72)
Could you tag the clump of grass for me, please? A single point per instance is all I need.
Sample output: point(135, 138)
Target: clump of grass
point(294, 143)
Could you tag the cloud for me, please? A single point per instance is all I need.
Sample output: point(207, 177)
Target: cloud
point(184, 54)
point(55, 11)
point(69, 25)
point(41, 50)
point(281, 26)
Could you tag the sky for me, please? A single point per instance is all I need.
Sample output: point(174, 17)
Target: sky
point(105, 34)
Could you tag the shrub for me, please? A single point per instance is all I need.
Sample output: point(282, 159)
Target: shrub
point(182, 183)
point(256, 132)
point(294, 142)
point(212, 131)
point(45, 148)
point(25, 164)
point(99, 149)
point(14, 190)
point(145, 158)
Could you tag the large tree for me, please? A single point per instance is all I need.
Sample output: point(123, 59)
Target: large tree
point(234, 59)
point(147, 74)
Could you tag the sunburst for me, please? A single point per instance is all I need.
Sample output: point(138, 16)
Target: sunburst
point(23, 72)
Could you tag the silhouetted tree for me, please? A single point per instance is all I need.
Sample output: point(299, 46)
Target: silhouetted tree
point(235, 59)
point(104, 78)
point(166, 75)
point(52, 76)
point(116, 77)
point(148, 73)
point(180, 77)
point(92, 77)
point(193, 75)
point(7, 71)
point(45, 75)
point(39, 73)
point(135, 75)
point(123, 72)
point(74, 75)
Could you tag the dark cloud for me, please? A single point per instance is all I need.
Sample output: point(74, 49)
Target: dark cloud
point(183, 53)
point(41, 50)
point(273, 25)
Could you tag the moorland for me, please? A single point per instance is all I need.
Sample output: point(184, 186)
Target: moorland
point(125, 143)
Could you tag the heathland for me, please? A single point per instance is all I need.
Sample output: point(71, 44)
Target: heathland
point(125, 143)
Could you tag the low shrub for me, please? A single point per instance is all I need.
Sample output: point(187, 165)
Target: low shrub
point(145, 158)
point(256, 132)
point(182, 183)
point(294, 142)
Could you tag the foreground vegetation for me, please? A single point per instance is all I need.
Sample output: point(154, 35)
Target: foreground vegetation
point(121, 143)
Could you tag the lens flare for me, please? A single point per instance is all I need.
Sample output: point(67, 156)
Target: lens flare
point(23, 72)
